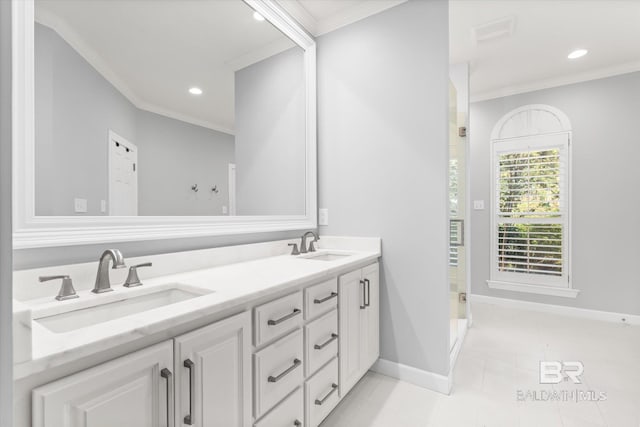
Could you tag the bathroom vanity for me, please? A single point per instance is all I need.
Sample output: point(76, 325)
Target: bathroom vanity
point(273, 341)
point(160, 141)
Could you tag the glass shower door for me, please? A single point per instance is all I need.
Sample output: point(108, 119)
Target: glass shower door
point(457, 212)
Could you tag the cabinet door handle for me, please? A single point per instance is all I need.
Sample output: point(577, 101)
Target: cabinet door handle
point(166, 374)
point(272, 379)
point(364, 295)
point(368, 302)
point(334, 387)
point(284, 318)
point(188, 419)
point(326, 343)
point(325, 299)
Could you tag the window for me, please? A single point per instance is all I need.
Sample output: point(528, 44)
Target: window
point(454, 230)
point(530, 211)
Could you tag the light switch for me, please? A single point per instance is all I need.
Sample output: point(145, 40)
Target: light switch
point(478, 205)
point(323, 216)
point(80, 205)
point(103, 206)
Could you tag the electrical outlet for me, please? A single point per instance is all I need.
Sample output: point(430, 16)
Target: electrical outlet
point(80, 205)
point(224, 210)
point(103, 206)
point(323, 216)
point(478, 205)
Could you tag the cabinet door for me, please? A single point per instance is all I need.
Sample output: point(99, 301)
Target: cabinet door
point(213, 374)
point(130, 391)
point(370, 350)
point(350, 306)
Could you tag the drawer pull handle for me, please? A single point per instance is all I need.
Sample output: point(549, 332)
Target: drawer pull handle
point(334, 387)
point(325, 299)
point(364, 295)
point(326, 343)
point(296, 363)
point(165, 373)
point(297, 423)
point(284, 318)
point(188, 419)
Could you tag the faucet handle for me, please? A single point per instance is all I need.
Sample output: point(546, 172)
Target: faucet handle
point(295, 250)
point(66, 289)
point(312, 248)
point(133, 279)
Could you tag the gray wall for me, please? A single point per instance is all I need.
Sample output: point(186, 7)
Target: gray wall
point(6, 348)
point(270, 136)
point(75, 109)
point(383, 159)
point(605, 175)
point(174, 155)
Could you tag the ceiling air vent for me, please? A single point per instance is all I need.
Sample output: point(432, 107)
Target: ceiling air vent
point(499, 28)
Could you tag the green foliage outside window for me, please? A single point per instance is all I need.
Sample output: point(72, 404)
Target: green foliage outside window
point(529, 188)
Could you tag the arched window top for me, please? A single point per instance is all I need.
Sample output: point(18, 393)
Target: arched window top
point(533, 119)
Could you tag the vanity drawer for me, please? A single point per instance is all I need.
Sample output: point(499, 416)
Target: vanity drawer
point(289, 413)
point(321, 394)
point(320, 298)
point(321, 342)
point(277, 371)
point(276, 318)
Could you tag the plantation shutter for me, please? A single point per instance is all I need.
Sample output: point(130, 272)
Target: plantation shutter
point(531, 210)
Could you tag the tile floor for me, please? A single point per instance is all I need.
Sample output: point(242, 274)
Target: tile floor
point(499, 357)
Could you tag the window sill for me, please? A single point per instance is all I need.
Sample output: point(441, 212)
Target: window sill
point(533, 289)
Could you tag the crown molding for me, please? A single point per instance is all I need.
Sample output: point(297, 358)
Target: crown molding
point(300, 14)
point(599, 73)
point(318, 27)
point(257, 55)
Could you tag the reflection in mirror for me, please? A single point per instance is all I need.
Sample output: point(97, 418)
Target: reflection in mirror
point(172, 108)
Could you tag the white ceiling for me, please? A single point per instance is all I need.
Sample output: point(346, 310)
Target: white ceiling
point(535, 55)
point(154, 51)
point(322, 16)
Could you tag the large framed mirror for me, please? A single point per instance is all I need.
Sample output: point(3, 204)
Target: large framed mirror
point(141, 120)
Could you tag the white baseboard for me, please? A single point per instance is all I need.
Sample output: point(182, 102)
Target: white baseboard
point(453, 355)
point(563, 310)
point(424, 379)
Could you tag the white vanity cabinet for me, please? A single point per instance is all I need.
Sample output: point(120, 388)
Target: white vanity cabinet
point(202, 378)
point(288, 361)
point(128, 391)
point(359, 330)
point(213, 374)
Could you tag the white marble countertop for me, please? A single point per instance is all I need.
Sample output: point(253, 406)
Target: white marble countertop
point(224, 287)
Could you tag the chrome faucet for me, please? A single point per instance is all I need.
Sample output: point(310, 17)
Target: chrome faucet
point(303, 244)
point(102, 280)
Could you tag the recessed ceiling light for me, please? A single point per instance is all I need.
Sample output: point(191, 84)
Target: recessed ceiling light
point(257, 16)
point(195, 91)
point(578, 53)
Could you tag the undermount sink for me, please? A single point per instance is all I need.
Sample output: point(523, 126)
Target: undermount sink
point(327, 256)
point(88, 316)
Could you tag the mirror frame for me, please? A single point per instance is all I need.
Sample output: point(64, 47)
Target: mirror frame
point(31, 231)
